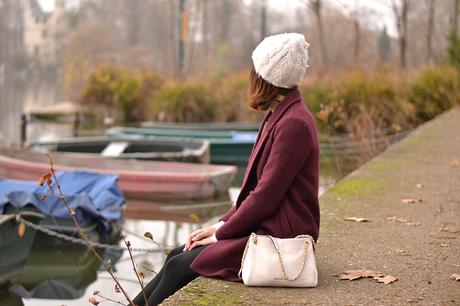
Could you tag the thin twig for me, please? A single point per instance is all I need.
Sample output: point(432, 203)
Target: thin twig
point(82, 234)
point(141, 283)
point(108, 299)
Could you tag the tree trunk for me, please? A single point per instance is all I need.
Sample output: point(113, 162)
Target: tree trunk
point(172, 39)
point(429, 32)
point(205, 34)
point(263, 19)
point(357, 28)
point(401, 24)
point(455, 19)
point(316, 6)
point(181, 37)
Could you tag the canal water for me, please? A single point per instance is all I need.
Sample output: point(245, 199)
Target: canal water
point(68, 275)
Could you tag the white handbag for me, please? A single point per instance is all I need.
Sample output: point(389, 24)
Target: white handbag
point(276, 262)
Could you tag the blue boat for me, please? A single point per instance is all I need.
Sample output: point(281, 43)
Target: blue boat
point(95, 198)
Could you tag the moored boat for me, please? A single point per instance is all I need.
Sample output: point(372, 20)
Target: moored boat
point(139, 180)
point(15, 243)
point(145, 148)
point(203, 126)
point(227, 147)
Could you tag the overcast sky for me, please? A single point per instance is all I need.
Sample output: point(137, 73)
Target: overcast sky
point(379, 10)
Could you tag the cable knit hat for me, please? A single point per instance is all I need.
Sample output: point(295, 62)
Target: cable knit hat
point(281, 59)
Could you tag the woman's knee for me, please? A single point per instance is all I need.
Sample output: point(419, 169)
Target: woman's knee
point(174, 252)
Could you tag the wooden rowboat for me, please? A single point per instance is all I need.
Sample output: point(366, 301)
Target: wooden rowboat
point(148, 148)
point(139, 180)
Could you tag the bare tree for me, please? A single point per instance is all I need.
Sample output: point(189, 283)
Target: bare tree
point(263, 19)
point(357, 28)
point(455, 19)
point(401, 12)
point(316, 7)
point(205, 33)
point(429, 32)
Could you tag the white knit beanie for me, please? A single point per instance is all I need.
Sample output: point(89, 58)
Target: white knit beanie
point(281, 59)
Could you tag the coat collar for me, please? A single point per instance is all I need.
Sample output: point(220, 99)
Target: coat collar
point(271, 118)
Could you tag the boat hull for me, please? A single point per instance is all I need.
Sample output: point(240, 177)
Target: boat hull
point(140, 180)
point(148, 148)
point(15, 249)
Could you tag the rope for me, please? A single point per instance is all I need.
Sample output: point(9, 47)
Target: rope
point(81, 241)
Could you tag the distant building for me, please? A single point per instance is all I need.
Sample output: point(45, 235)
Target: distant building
point(43, 31)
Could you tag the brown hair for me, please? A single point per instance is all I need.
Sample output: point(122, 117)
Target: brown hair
point(261, 94)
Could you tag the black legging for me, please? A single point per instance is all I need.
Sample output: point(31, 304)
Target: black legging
point(175, 274)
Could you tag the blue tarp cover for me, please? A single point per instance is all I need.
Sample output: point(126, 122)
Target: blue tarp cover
point(90, 195)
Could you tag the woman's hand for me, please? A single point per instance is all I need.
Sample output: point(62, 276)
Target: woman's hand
point(202, 236)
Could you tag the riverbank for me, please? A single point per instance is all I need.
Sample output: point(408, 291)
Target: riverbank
point(418, 243)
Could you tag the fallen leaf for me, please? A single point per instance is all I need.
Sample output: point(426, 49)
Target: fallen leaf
point(402, 220)
point(356, 274)
point(411, 200)
point(397, 219)
point(148, 235)
point(455, 277)
point(387, 279)
point(141, 275)
point(194, 218)
point(21, 229)
point(455, 163)
point(419, 185)
point(355, 219)
point(450, 229)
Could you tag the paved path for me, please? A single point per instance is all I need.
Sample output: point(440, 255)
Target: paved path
point(421, 256)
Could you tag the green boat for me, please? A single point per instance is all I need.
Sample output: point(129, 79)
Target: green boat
point(15, 248)
point(227, 146)
point(133, 147)
point(206, 126)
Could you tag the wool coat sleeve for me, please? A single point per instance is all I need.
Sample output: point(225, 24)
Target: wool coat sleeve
point(288, 152)
point(228, 214)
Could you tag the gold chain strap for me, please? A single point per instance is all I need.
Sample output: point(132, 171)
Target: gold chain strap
point(307, 239)
point(305, 251)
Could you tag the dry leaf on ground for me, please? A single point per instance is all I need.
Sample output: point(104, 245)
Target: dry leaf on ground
point(355, 274)
point(387, 279)
point(397, 219)
point(375, 275)
point(455, 277)
point(455, 163)
point(450, 229)
point(419, 185)
point(355, 219)
point(411, 200)
point(402, 220)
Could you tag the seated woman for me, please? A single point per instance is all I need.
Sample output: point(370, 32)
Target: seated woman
point(279, 194)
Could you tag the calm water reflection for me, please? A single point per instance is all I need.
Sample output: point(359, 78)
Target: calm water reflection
point(168, 232)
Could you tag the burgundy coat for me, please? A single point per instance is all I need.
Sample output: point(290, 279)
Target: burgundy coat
point(279, 195)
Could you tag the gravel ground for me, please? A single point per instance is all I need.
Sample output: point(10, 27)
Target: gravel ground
point(423, 251)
